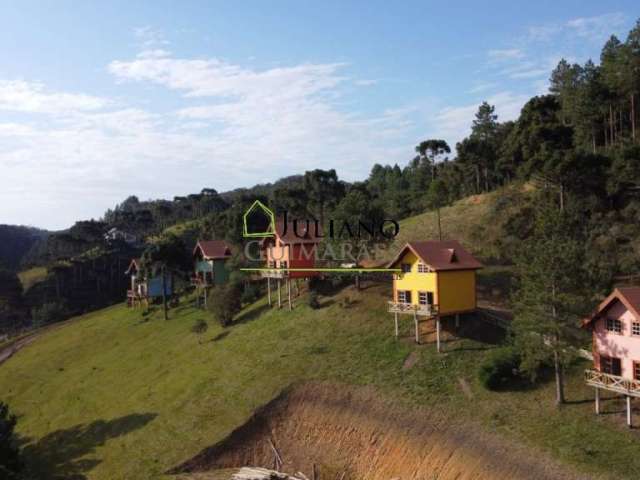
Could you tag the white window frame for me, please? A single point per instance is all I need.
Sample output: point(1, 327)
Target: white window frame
point(613, 325)
point(402, 296)
point(422, 268)
point(635, 329)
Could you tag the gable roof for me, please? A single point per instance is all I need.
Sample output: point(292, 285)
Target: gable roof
point(628, 296)
point(305, 232)
point(213, 249)
point(440, 255)
point(134, 264)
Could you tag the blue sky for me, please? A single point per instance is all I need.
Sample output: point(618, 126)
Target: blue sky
point(101, 100)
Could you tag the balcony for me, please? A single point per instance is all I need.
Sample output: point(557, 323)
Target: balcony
point(274, 273)
point(613, 383)
point(410, 309)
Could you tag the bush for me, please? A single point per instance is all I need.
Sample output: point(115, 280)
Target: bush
point(10, 461)
point(224, 302)
point(313, 300)
point(500, 369)
point(49, 313)
point(250, 294)
point(200, 328)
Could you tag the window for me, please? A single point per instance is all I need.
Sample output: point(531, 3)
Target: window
point(614, 325)
point(610, 365)
point(405, 267)
point(404, 296)
point(425, 298)
point(636, 370)
point(272, 264)
point(422, 268)
point(284, 264)
point(635, 328)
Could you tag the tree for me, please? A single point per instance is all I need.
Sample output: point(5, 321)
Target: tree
point(224, 302)
point(323, 189)
point(432, 150)
point(551, 274)
point(10, 462)
point(167, 256)
point(12, 309)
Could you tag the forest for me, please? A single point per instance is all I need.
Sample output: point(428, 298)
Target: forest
point(579, 145)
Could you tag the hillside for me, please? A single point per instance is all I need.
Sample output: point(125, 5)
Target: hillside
point(115, 395)
point(15, 243)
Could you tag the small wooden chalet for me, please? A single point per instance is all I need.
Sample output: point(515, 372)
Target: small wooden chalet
point(209, 265)
point(142, 289)
point(290, 254)
point(615, 327)
point(437, 278)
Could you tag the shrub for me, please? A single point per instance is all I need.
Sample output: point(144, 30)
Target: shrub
point(224, 302)
point(10, 461)
point(49, 313)
point(250, 294)
point(313, 300)
point(200, 328)
point(500, 369)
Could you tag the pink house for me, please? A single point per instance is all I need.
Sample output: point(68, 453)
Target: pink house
point(615, 327)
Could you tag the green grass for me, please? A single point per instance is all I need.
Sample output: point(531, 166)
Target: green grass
point(112, 396)
point(30, 277)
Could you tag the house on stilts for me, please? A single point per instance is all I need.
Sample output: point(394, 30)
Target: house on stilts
point(436, 279)
point(143, 289)
point(290, 255)
point(209, 265)
point(615, 330)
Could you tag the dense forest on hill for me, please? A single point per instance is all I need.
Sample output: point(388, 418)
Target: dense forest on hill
point(15, 242)
point(579, 144)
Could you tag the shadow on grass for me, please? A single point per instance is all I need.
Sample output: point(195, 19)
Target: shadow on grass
point(63, 454)
point(252, 314)
point(221, 336)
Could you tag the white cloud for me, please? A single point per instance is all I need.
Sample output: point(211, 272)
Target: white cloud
point(482, 87)
point(505, 54)
point(596, 28)
point(365, 82)
point(21, 96)
point(235, 126)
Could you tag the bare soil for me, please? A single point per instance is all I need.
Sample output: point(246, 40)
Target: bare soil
point(356, 431)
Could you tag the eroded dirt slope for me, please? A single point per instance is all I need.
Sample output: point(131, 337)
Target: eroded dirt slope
point(347, 429)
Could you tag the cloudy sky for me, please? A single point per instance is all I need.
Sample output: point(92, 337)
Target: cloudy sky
point(101, 100)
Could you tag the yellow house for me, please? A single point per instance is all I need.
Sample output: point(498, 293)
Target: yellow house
point(438, 279)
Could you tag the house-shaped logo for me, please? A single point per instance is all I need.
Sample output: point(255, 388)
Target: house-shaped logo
point(268, 220)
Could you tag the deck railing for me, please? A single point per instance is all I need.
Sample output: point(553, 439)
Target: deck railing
point(408, 308)
point(274, 273)
point(614, 383)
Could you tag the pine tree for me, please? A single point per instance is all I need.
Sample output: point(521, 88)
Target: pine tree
point(550, 291)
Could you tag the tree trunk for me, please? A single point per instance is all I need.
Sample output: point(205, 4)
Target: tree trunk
point(593, 139)
point(611, 133)
point(164, 294)
point(439, 224)
point(477, 168)
point(559, 378)
point(633, 116)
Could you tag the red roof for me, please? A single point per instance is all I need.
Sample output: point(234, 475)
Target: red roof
point(440, 255)
point(628, 296)
point(213, 249)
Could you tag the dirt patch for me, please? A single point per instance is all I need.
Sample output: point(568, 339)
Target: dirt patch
point(344, 429)
point(411, 360)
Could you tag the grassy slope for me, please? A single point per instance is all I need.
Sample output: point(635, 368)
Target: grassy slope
point(30, 277)
point(112, 396)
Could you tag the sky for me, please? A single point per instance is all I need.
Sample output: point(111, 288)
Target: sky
point(102, 100)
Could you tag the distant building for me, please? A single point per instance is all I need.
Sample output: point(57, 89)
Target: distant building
point(615, 327)
point(437, 278)
point(143, 289)
point(115, 234)
point(290, 254)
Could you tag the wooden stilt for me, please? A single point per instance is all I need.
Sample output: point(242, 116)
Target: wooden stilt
point(457, 320)
point(438, 334)
point(415, 320)
point(279, 295)
point(289, 292)
point(597, 401)
point(269, 290)
point(629, 424)
point(395, 317)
